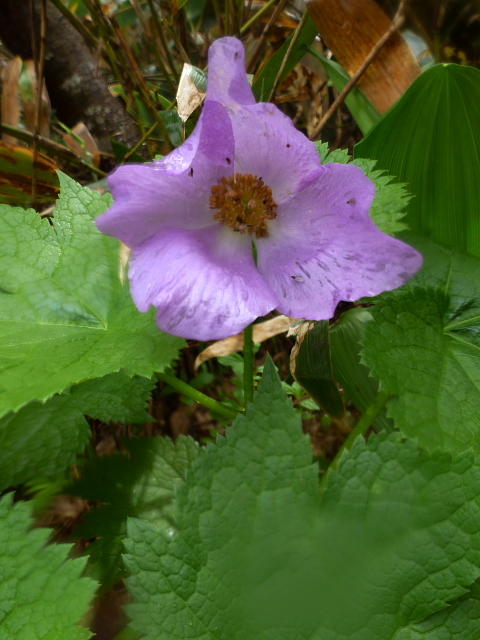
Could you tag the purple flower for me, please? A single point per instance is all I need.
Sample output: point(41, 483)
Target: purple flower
point(244, 176)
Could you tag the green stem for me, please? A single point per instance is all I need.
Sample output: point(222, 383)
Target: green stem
point(293, 42)
point(254, 18)
point(143, 139)
point(248, 363)
point(197, 396)
point(363, 425)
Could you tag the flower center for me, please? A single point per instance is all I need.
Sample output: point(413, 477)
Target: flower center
point(244, 203)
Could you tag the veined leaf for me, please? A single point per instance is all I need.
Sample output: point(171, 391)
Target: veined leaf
point(423, 345)
point(44, 439)
point(259, 553)
point(431, 140)
point(311, 366)
point(64, 315)
point(141, 485)
point(42, 592)
point(459, 621)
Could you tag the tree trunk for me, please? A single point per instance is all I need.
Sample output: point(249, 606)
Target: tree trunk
point(78, 91)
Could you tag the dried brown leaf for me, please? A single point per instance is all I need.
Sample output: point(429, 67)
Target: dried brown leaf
point(89, 149)
point(10, 113)
point(261, 332)
point(189, 97)
point(351, 29)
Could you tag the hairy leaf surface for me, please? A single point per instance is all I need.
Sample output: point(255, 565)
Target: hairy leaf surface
point(424, 346)
point(42, 593)
point(141, 485)
point(259, 553)
point(64, 315)
point(44, 439)
point(460, 621)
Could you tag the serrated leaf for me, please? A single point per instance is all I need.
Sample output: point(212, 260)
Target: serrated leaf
point(259, 553)
point(141, 485)
point(42, 593)
point(391, 198)
point(64, 315)
point(115, 397)
point(431, 141)
point(40, 439)
point(423, 346)
point(44, 439)
point(460, 621)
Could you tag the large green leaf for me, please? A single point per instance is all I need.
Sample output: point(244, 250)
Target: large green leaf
point(424, 347)
point(64, 315)
point(44, 439)
point(259, 553)
point(42, 596)
point(431, 140)
point(460, 621)
point(141, 485)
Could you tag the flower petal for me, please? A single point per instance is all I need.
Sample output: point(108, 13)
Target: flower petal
point(323, 247)
point(150, 197)
point(204, 282)
point(266, 141)
point(227, 80)
point(268, 145)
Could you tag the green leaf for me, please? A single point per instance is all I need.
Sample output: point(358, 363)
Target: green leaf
point(114, 397)
point(64, 315)
point(44, 439)
point(141, 485)
point(424, 347)
point(460, 621)
point(42, 594)
point(259, 553)
point(364, 112)
point(264, 81)
point(311, 366)
point(431, 140)
point(391, 198)
point(41, 440)
point(354, 377)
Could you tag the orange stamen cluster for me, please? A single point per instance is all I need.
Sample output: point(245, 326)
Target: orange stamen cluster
point(244, 203)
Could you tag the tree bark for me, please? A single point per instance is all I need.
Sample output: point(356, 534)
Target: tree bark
point(78, 91)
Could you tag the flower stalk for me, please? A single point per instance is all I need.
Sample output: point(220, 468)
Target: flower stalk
point(248, 364)
point(197, 396)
